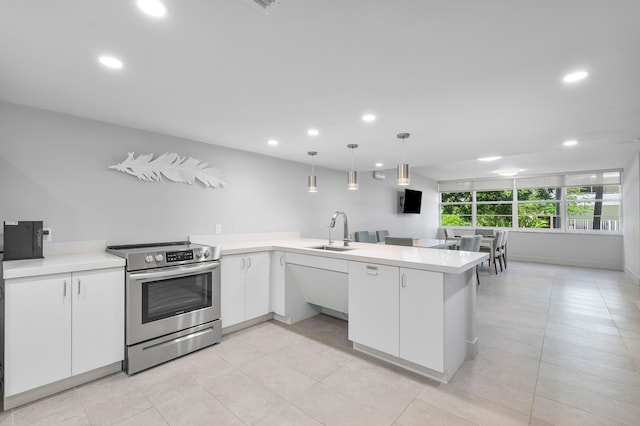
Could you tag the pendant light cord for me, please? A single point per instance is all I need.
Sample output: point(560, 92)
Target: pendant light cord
point(351, 158)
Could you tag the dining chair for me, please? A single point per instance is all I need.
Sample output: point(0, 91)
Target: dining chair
point(503, 248)
point(380, 235)
point(497, 244)
point(398, 241)
point(361, 236)
point(448, 234)
point(471, 243)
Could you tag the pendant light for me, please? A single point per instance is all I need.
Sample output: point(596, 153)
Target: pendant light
point(403, 168)
point(352, 175)
point(312, 181)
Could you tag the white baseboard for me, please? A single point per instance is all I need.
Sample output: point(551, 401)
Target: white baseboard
point(633, 276)
point(61, 385)
point(566, 262)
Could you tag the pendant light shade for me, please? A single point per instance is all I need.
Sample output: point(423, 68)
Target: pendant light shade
point(312, 181)
point(403, 168)
point(352, 175)
point(403, 174)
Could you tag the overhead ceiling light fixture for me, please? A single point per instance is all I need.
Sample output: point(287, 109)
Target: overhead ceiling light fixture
point(575, 76)
point(379, 164)
point(272, 142)
point(313, 132)
point(368, 118)
point(312, 181)
point(570, 143)
point(508, 172)
point(497, 157)
point(152, 8)
point(352, 175)
point(111, 62)
point(403, 168)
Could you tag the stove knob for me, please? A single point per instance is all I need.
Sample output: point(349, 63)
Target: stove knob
point(207, 253)
point(159, 258)
point(148, 258)
point(198, 254)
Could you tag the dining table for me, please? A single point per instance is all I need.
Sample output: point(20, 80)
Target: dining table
point(454, 242)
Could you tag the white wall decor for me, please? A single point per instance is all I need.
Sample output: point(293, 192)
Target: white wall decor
point(172, 166)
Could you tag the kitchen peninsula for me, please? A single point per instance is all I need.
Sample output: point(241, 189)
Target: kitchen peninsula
point(412, 307)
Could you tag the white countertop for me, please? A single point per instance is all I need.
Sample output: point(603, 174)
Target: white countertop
point(430, 259)
point(60, 263)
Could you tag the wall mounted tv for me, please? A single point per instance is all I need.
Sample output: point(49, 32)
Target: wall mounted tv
point(410, 201)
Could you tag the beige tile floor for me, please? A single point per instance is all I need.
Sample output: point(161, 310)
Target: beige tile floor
point(558, 346)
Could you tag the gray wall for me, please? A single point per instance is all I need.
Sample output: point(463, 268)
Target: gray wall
point(631, 217)
point(53, 167)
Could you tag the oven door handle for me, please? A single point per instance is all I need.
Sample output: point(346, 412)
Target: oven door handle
point(174, 272)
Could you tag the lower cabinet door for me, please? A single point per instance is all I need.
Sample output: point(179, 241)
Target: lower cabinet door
point(374, 306)
point(98, 319)
point(37, 331)
point(277, 285)
point(257, 285)
point(422, 318)
point(232, 275)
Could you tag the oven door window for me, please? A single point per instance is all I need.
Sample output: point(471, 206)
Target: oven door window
point(175, 296)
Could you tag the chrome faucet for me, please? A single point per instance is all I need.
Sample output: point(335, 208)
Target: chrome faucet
point(346, 226)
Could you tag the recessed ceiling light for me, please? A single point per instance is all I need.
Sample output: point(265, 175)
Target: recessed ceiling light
point(152, 8)
point(272, 142)
point(313, 132)
point(497, 157)
point(575, 76)
point(368, 118)
point(379, 164)
point(508, 172)
point(111, 62)
point(570, 143)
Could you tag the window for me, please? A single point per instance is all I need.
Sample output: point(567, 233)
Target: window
point(593, 207)
point(540, 208)
point(573, 202)
point(494, 208)
point(456, 209)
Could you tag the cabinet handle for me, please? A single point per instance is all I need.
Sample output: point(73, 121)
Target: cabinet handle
point(78, 286)
point(282, 260)
point(64, 288)
point(404, 280)
point(242, 263)
point(372, 270)
point(248, 262)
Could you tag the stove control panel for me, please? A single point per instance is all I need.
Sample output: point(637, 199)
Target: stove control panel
point(141, 256)
point(179, 256)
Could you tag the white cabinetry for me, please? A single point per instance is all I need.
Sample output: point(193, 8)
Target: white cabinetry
point(374, 306)
point(97, 333)
point(244, 287)
point(422, 318)
point(277, 297)
point(61, 325)
point(398, 311)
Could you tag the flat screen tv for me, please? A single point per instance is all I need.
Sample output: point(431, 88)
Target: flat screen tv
point(410, 201)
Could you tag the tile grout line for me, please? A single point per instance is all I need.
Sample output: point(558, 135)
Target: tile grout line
point(544, 337)
point(624, 342)
point(565, 403)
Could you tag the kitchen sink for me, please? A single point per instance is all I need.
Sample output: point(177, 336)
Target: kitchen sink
point(332, 248)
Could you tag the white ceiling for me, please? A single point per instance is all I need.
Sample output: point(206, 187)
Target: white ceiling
point(466, 78)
